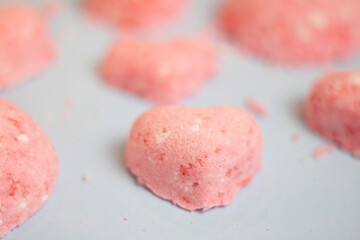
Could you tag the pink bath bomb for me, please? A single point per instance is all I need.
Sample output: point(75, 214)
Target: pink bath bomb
point(163, 71)
point(28, 167)
point(333, 109)
point(294, 31)
point(26, 49)
point(135, 14)
point(196, 157)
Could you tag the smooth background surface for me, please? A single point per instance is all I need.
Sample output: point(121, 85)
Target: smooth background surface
point(295, 195)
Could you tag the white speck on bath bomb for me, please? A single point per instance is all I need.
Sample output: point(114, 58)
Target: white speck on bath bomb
point(195, 128)
point(162, 137)
point(355, 79)
point(23, 138)
point(23, 205)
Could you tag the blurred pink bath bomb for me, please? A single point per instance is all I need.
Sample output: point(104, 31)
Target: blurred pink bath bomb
point(333, 109)
point(136, 14)
point(163, 71)
point(26, 49)
point(28, 167)
point(294, 31)
point(196, 157)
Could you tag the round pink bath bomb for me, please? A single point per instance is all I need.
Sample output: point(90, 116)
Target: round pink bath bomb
point(333, 109)
point(26, 49)
point(163, 71)
point(28, 167)
point(294, 31)
point(136, 14)
point(196, 157)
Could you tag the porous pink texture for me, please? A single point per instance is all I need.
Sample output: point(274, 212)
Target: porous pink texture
point(294, 31)
point(136, 14)
point(163, 71)
point(196, 157)
point(28, 167)
point(26, 49)
point(333, 109)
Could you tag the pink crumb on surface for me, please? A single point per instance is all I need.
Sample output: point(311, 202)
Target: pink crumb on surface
point(298, 109)
point(296, 137)
point(163, 71)
point(86, 177)
point(125, 219)
point(198, 158)
point(53, 8)
point(69, 101)
point(268, 229)
point(29, 167)
point(136, 14)
point(293, 31)
point(320, 151)
point(26, 49)
point(332, 109)
point(65, 115)
point(257, 107)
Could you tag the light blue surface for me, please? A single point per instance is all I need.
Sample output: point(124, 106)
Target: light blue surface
point(308, 199)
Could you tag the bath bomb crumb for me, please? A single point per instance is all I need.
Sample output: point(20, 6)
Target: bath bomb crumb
point(172, 69)
point(201, 166)
point(53, 8)
point(301, 160)
point(66, 115)
point(125, 219)
point(255, 106)
point(320, 151)
point(69, 101)
point(86, 177)
point(47, 116)
point(296, 137)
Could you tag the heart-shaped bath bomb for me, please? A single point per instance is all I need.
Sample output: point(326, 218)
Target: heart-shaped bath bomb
point(297, 32)
point(28, 167)
point(196, 157)
point(136, 14)
point(26, 49)
point(333, 109)
point(163, 71)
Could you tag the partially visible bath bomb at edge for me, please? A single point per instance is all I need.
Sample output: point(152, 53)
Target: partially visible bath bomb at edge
point(196, 157)
point(163, 71)
point(28, 167)
point(294, 31)
point(333, 109)
point(136, 14)
point(26, 49)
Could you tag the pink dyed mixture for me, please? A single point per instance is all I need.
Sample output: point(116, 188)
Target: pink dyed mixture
point(28, 167)
point(135, 14)
point(26, 49)
point(160, 71)
point(333, 109)
point(196, 157)
point(294, 31)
